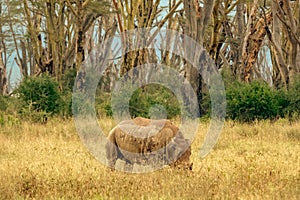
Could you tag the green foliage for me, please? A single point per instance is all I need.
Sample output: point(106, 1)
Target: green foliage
point(34, 115)
point(255, 101)
point(8, 104)
point(281, 101)
point(103, 104)
point(40, 97)
point(154, 99)
point(65, 104)
point(8, 114)
point(151, 99)
point(213, 99)
point(68, 79)
point(293, 98)
point(89, 101)
point(8, 119)
point(3, 103)
point(82, 104)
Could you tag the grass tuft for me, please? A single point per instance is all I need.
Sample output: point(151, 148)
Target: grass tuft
point(48, 161)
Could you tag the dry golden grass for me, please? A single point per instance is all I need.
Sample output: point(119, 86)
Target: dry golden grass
point(259, 161)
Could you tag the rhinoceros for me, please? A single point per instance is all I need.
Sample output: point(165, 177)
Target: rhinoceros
point(148, 142)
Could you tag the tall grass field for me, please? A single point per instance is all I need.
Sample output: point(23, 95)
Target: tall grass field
point(250, 161)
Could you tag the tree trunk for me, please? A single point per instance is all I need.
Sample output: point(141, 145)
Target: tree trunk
point(246, 47)
point(81, 73)
point(3, 76)
point(141, 15)
point(253, 43)
point(293, 37)
point(282, 79)
point(237, 68)
point(197, 20)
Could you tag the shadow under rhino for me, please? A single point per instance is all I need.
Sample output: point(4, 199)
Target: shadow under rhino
point(145, 145)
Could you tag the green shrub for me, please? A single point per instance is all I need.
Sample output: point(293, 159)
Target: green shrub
point(8, 119)
point(40, 97)
point(3, 103)
point(103, 104)
point(293, 97)
point(65, 104)
point(154, 99)
point(146, 101)
point(281, 102)
point(255, 101)
point(68, 79)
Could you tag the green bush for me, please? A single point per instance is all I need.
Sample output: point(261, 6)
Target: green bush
point(154, 99)
point(255, 101)
point(40, 97)
point(68, 79)
point(146, 101)
point(281, 102)
point(8, 119)
point(293, 97)
point(3, 103)
point(103, 104)
point(65, 104)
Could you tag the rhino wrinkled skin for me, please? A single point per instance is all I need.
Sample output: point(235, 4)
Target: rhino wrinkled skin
point(148, 142)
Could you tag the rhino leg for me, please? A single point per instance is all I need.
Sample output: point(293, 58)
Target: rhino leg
point(112, 150)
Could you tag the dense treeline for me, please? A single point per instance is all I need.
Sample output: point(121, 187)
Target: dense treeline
point(39, 98)
point(255, 44)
